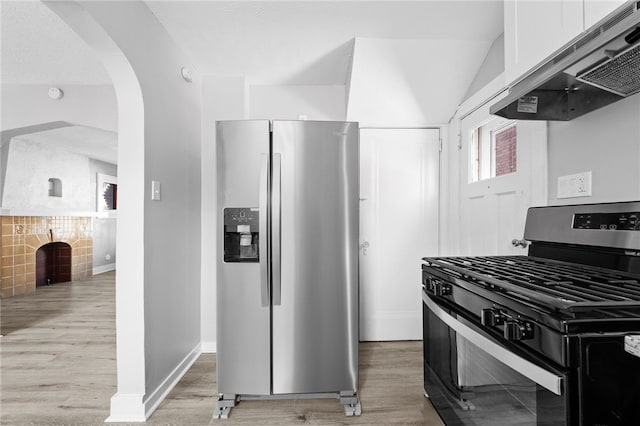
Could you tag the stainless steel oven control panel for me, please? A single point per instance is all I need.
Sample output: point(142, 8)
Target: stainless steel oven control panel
point(611, 225)
point(607, 221)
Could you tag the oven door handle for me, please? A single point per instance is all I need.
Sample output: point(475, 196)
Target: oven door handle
point(544, 378)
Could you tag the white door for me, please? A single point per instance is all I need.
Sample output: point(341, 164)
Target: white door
point(493, 210)
point(399, 181)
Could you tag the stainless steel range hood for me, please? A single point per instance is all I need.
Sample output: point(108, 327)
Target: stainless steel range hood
point(597, 68)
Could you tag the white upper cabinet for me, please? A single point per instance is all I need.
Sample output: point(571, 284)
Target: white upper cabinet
point(534, 30)
point(595, 10)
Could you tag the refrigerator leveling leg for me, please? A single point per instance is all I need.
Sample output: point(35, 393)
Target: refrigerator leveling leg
point(225, 403)
point(351, 404)
point(349, 400)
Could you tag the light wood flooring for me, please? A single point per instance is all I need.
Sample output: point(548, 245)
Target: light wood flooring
point(58, 367)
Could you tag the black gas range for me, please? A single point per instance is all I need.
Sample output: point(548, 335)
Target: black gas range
point(549, 338)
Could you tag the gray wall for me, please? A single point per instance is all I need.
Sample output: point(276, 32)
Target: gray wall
point(605, 142)
point(171, 226)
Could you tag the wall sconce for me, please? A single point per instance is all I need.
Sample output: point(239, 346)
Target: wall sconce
point(56, 93)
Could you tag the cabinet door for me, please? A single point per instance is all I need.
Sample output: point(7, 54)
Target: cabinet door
point(536, 29)
point(595, 10)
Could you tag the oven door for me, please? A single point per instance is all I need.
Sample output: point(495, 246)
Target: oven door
point(471, 379)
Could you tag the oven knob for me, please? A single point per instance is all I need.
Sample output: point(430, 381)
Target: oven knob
point(490, 317)
point(442, 289)
point(439, 288)
point(516, 330)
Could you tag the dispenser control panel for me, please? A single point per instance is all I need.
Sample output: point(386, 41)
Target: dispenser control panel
point(610, 221)
point(241, 234)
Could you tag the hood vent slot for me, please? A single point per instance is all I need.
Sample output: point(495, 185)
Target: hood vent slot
point(591, 36)
point(619, 17)
point(566, 52)
point(618, 75)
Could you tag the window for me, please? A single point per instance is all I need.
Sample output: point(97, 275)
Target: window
point(492, 149)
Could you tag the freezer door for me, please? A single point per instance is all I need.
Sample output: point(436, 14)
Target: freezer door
point(315, 257)
point(243, 310)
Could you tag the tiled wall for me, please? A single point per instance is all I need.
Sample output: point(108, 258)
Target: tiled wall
point(23, 235)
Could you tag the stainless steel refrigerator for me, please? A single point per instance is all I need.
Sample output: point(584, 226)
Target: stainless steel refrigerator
point(287, 267)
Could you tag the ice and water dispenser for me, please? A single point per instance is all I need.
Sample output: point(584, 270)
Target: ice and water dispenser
point(241, 234)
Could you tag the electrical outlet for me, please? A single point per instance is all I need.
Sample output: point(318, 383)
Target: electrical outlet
point(577, 185)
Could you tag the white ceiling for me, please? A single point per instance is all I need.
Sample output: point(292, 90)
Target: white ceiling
point(38, 48)
point(286, 42)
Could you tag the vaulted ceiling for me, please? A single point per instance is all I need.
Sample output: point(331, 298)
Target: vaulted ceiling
point(285, 42)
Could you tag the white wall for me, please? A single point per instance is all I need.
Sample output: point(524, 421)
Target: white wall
point(408, 83)
point(605, 142)
point(25, 105)
point(289, 102)
point(29, 168)
point(159, 128)
point(492, 67)
point(223, 98)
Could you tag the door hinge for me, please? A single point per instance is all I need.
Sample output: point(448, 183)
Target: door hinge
point(440, 148)
point(459, 141)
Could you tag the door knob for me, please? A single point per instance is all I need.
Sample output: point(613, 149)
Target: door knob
point(364, 246)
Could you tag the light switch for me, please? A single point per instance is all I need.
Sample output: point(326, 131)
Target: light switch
point(155, 190)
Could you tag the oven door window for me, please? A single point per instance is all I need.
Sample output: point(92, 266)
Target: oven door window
point(471, 383)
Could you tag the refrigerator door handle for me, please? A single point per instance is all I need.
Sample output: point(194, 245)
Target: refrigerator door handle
point(275, 226)
point(263, 224)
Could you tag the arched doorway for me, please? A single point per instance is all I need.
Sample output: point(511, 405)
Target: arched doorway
point(53, 264)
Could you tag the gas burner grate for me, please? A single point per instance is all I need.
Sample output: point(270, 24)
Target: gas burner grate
point(565, 286)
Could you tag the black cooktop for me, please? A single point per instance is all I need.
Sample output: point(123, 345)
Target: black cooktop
point(557, 285)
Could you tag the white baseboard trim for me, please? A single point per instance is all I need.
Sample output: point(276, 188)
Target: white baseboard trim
point(126, 408)
point(389, 326)
point(104, 268)
point(161, 392)
point(209, 347)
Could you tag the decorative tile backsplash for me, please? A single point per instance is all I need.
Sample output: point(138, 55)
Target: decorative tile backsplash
point(22, 236)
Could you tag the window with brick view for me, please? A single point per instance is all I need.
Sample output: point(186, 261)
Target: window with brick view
point(492, 150)
point(505, 141)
